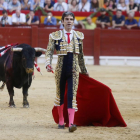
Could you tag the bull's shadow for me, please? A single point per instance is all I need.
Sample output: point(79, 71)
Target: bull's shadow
point(16, 69)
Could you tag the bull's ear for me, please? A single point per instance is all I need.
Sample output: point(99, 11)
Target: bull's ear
point(37, 54)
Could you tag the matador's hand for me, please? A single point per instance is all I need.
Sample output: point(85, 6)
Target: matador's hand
point(49, 68)
point(87, 74)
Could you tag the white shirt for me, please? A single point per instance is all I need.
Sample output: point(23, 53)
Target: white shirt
point(86, 7)
point(5, 5)
point(60, 8)
point(126, 2)
point(11, 5)
point(9, 19)
point(22, 18)
point(137, 1)
point(32, 3)
point(121, 8)
point(66, 36)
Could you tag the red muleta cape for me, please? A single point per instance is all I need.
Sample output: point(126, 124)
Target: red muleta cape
point(96, 105)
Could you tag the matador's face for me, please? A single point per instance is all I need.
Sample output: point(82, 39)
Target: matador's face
point(68, 22)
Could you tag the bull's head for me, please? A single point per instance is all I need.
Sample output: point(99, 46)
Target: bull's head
point(28, 55)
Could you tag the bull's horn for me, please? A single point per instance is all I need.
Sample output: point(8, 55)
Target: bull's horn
point(40, 49)
point(16, 49)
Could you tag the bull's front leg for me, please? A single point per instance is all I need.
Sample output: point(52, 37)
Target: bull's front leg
point(25, 94)
point(11, 94)
point(2, 87)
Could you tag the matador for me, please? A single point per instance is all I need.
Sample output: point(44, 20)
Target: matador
point(68, 44)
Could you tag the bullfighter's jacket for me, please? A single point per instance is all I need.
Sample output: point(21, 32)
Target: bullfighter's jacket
point(57, 41)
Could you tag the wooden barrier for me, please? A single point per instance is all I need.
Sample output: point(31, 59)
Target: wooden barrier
point(98, 42)
point(13, 35)
point(77, 14)
point(120, 43)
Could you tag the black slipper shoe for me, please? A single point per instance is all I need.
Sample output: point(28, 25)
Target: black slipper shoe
point(61, 126)
point(72, 128)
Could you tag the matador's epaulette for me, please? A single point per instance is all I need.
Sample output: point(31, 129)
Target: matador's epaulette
point(80, 35)
point(56, 35)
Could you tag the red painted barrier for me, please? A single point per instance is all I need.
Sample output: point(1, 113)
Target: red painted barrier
point(98, 42)
point(57, 13)
point(120, 43)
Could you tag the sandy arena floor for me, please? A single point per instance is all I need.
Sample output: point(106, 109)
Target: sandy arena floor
point(36, 122)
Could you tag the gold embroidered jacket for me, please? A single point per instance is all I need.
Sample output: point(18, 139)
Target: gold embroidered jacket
point(58, 42)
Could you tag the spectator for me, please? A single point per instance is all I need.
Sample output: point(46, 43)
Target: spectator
point(48, 6)
point(3, 5)
point(131, 22)
point(112, 6)
point(60, 6)
point(118, 20)
point(53, 2)
point(138, 4)
point(88, 24)
point(121, 5)
point(42, 3)
point(106, 4)
point(137, 1)
point(69, 1)
point(14, 5)
point(132, 7)
point(125, 1)
point(50, 20)
point(7, 1)
point(73, 6)
point(32, 20)
point(18, 18)
point(5, 19)
point(36, 3)
point(103, 20)
point(94, 5)
point(84, 6)
point(25, 5)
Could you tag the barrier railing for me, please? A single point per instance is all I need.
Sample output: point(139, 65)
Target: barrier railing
point(57, 13)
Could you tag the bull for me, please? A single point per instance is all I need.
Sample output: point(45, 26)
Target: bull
point(16, 70)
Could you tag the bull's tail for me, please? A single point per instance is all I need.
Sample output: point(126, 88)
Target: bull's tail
point(2, 87)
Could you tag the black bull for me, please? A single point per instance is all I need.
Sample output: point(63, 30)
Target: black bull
point(16, 69)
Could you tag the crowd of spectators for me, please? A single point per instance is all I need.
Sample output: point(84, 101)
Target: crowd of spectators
point(70, 5)
point(118, 20)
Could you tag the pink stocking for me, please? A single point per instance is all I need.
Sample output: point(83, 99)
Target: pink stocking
point(60, 113)
point(71, 113)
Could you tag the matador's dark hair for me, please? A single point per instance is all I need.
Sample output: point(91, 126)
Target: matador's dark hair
point(65, 14)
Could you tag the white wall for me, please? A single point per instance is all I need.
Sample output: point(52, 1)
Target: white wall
point(104, 60)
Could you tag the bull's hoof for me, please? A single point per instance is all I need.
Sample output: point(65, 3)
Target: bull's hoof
point(25, 106)
point(12, 106)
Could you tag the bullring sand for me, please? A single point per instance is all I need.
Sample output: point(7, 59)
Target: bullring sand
point(36, 122)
